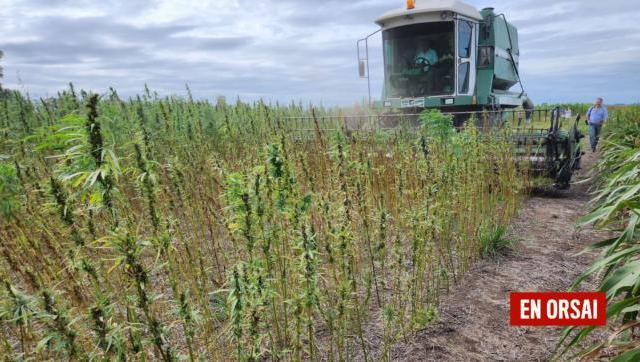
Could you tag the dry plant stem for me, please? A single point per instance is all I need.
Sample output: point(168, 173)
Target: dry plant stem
point(193, 229)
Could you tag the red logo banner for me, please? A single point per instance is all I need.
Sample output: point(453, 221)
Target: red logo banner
point(558, 309)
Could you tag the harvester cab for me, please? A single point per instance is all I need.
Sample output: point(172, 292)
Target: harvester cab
point(445, 54)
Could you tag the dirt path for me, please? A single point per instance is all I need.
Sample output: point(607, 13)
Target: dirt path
point(474, 318)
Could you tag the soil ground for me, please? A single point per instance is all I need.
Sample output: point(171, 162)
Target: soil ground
point(473, 320)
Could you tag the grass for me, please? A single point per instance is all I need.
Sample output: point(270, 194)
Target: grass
point(494, 241)
point(174, 228)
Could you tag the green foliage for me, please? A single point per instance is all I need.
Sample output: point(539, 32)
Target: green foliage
point(493, 241)
point(425, 317)
point(173, 228)
point(617, 209)
point(82, 164)
point(9, 190)
point(17, 307)
point(436, 124)
point(61, 338)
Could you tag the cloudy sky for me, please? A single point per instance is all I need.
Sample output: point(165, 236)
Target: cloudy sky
point(293, 49)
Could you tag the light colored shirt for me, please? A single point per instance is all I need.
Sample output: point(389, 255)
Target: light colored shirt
point(430, 55)
point(597, 115)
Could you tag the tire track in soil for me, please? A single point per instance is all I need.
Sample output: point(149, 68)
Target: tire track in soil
point(473, 320)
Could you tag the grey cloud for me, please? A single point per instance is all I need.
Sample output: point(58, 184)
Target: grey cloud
point(289, 49)
point(337, 13)
point(616, 85)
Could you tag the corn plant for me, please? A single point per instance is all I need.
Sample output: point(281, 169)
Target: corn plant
point(617, 202)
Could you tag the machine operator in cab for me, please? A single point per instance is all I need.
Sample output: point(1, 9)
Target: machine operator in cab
point(427, 59)
point(425, 55)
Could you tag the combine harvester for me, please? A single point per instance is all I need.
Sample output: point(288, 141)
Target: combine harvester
point(446, 55)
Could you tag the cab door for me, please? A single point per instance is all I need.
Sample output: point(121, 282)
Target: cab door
point(466, 40)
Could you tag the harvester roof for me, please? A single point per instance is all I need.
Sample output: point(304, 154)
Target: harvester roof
point(428, 8)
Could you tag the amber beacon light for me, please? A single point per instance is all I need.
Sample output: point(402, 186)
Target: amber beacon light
point(411, 4)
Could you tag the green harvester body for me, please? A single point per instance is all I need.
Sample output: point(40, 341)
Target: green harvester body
point(479, 65)
point(446, 55)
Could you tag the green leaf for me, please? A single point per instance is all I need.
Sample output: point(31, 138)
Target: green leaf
point(633, 308)
point(621, 279)
point(603, 262)
point(613, 311)
point(628, 356)
point(599, 245)
point(42, 344)
point(600, 214)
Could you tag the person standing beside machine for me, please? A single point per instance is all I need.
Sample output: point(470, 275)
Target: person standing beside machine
point(596, 117)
